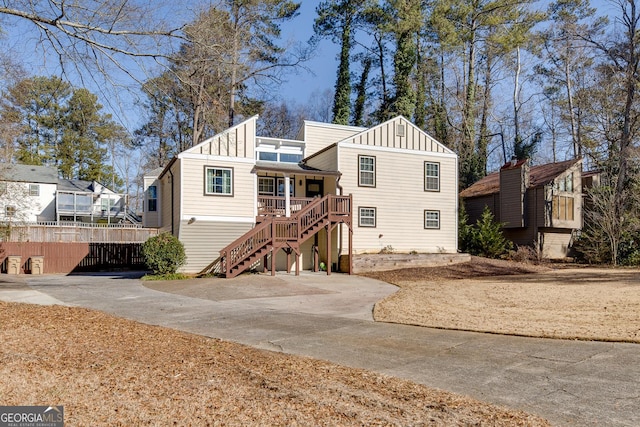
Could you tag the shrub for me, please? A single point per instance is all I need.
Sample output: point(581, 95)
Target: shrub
point(163, 254)
point(485, 238)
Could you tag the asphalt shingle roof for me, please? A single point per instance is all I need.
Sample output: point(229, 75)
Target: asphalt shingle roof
point(538, 176)
point(28, 173)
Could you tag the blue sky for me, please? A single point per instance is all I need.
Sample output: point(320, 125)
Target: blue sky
point(20, 40)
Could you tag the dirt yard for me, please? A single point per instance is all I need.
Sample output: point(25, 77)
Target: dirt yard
point(111, 371)
point(519, 299)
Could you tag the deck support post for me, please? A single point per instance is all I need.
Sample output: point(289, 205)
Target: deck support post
point(350, 249)
point(329, 248)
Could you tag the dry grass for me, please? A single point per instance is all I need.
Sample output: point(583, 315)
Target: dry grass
point(519, 299)
point(111, 371)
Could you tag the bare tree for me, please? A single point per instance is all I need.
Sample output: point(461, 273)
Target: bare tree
point(98, 32)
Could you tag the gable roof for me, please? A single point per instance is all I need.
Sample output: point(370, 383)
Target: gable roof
point(361, 139)
point(430, 143)
point(539, 175)
point(28, 173)
point(198, 148)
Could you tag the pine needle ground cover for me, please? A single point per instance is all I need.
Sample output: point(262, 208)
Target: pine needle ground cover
point(110, 371)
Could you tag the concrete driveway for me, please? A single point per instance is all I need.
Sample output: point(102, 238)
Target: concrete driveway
point(572, 383)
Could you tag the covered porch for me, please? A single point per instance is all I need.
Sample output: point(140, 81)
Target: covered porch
point(284, 188)
point(288, 193)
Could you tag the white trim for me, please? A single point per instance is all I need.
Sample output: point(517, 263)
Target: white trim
point(396, 150)
point(216, 218)
point(210, 158)
point(181, 190)
point(457, 209)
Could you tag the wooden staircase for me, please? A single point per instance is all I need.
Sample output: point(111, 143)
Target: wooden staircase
point(275, 233)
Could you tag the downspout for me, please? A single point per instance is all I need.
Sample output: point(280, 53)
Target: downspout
point(340, 190)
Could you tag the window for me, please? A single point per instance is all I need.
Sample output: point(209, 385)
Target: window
point(219, 181)
point(431, 176)
point(432, 219)
point(562, 208)
point(367, 168)
point(152, 198)
point(566, 183)
point(34, 189)
point(281, 187)
point(367, 217)
point(107, 204)
point(290, 158)
point(3, 188)
point(265, 186)
point(10, 210)
point(268, 156)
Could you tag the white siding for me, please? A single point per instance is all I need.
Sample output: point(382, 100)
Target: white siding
point(327, 160)
point(400, 201)
point(320, 135)
point(29, 208)
point(196, 203)
point(203, 241)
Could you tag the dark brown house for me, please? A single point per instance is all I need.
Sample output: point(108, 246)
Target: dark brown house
point(540, 206)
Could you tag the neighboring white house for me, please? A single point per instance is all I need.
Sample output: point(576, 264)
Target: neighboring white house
point(399, 184)
point(32, 194)
point(27, 193)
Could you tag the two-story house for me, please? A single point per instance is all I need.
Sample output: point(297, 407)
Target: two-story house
point(35, 194)
point(335, 190)
point(539, 206)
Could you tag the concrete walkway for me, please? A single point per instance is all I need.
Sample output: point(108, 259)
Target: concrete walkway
point(571, 383)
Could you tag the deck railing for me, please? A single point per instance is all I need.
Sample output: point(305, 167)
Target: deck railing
point(278, 231)
point(74, 232)
point(276, 206)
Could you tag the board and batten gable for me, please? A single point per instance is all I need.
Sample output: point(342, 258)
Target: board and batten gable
point(399, 195)
point(317, 136)
point(237, 141)
point(210, 220)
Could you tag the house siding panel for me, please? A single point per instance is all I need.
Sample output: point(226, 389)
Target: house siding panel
point(400, 201)
point(320, 135)
point(151, 218)
point(386, 135)
point(240, 204)
point(512, 197)
point(238, 141)
point(170, 199)
point(327, 160)
point(203, 241)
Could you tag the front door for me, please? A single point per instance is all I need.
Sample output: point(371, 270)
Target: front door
point(314, 188)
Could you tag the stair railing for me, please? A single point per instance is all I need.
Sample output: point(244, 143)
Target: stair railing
point(277, 231)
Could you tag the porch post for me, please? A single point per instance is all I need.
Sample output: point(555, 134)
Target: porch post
point(287, 197)
point(329, 249)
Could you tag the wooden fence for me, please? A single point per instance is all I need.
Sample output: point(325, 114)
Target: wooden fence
point(73, 257)
point(89, 233)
